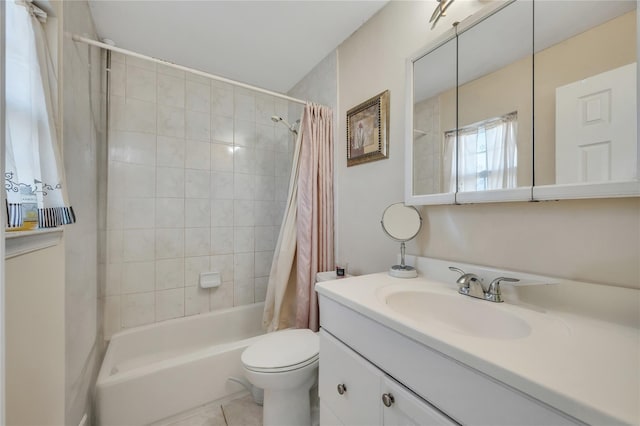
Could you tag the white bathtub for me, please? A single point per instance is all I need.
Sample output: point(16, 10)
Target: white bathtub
point(159, 370)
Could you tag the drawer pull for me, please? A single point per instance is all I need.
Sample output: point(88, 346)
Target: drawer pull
point(342, 388)
point(387, 399)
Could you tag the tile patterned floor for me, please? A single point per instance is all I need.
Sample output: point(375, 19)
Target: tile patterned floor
point(241, 411)
point(237, 412)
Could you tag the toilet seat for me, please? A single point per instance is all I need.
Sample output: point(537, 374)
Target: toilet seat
point(282, 351)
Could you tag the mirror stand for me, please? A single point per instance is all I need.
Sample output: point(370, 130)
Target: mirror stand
point(402, 270)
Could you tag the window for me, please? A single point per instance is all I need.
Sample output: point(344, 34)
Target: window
point(486, 153)
point(34, 178)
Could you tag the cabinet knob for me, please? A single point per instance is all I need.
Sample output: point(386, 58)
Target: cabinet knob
point(342, 388)
point(387, 399)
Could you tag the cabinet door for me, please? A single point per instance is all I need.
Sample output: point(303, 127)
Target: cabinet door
point(407, 409)
point(358, 401)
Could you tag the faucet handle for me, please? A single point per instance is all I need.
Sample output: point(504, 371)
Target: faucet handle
point(493, 293)
point(458, 270)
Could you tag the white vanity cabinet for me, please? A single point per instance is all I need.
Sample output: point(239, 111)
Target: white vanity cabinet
point(355, 392)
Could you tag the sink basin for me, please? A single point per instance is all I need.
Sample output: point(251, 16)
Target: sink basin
point(458, 313)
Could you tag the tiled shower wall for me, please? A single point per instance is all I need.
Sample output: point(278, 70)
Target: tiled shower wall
point(198, 180)
point(427, 147)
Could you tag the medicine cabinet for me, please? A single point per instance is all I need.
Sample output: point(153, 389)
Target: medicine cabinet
point(526, 100)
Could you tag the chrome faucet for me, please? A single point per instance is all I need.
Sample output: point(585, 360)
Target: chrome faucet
point(472, 285)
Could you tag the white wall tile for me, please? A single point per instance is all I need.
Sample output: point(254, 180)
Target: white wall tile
point(141, 84)
point(223, 263)
point(115, 213)
point(193, 266)
point(165, 69)
point(263, 263)
point(265, 137)
point(198, 125)
point(138, 277)
point(118, 78)
point(138, 245)
point(260, 288)
point(222, 212)
point(139, 62)
point(243, 266)
point(222, 157)
point(132, 115)
point(131, 180)
point(198, 155)
point(197, 183)
point(245, 106)
point(132, 147)
point(222, 297)
point(243, 240)
point(169, 182)
point(282, 164)
point(171, 90)
point(170, 212)
point(169, 273)
point(222, 101)
point(139, 213)
point(244, 160)
point(115, 245)
point(198, 78)
point(243, 186)
point(264, 212)
point(283, 139)
point(221, 186)
point(243, 213)
point(169, 243)
point(222, 240)
point(265, 108)
point(138, 309)
point(197, 241)
point(170, 151)
point(243, 292)
point(112, 318)
point(169, 304)
point(113, 280)
point(198, 97)
point(265, 187)
point(282, 188)
point(170, 121)
point(265, 163)
point(266, 237)
point(244, 133)
point(196, 300)
point(197, 212)
point(222, 128)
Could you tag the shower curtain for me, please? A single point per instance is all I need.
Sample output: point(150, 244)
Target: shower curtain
point(305, 243)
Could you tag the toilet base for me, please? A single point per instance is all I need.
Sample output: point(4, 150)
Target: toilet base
point(289, 407)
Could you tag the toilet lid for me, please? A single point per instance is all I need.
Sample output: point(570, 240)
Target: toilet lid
point(282, 350)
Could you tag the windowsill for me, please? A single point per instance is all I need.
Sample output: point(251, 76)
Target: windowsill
point(22, 242)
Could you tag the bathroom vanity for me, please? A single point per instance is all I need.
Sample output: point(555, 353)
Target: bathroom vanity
point(415, 351)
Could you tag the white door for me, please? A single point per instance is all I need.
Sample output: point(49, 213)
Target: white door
point(596, 134)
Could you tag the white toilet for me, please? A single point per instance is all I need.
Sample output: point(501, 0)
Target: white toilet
point(285, 365)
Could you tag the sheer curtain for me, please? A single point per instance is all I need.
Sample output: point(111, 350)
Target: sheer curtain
point(34, 174)
point(305, 244)
point(487, 155)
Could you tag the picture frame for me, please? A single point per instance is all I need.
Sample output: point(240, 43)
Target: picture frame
point(368, 130)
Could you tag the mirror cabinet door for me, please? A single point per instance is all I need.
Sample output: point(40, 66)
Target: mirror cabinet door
point(585, 98)
point(434, 107)
point(495, 107)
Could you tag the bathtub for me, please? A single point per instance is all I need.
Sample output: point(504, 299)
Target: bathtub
point(159, 370)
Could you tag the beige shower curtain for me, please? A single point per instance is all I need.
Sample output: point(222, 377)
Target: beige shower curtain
point(305, 243)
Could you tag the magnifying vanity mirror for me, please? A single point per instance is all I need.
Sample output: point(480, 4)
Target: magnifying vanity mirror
point(526, 100)
point(401, 223)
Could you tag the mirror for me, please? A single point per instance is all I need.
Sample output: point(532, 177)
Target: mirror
point(554, 82)
point(585, 94)
point(495, 87)
point(401, 223)
point(434, 102)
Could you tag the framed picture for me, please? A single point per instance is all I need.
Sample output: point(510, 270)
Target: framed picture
point(368, 130)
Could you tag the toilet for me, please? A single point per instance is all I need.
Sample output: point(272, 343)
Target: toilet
point(284, 364)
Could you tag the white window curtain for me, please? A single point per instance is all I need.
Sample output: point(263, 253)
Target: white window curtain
point(487, 155)
point(34, 174)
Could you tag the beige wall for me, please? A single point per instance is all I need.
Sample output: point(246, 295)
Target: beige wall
point(35, 343)
point(592, 240)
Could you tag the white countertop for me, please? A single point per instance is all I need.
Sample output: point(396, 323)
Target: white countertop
point(586, 367)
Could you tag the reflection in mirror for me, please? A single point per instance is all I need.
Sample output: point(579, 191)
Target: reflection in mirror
point(433, 102)
point(585, 91)
point(495, 101)
point(401, 223)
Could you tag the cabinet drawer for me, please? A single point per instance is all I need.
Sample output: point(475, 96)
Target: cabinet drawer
point(359, 404)
point(408, 409)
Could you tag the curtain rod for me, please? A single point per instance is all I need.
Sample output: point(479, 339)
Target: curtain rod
point(92, 42)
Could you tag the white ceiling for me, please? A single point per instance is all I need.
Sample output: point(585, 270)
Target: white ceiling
point(270, 44)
